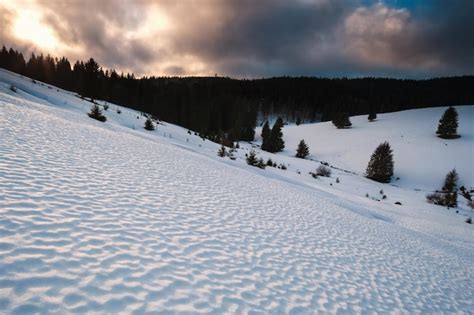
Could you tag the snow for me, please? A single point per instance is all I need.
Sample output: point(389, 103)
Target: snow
point(101, 217)
point(411, 135)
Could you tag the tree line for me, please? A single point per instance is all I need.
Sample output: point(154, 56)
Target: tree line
point(228, 109)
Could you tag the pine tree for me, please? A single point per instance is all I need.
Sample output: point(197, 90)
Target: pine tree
point(450, 182)
point(302, 151)
point(96, 113)
point(265, 136)
point(372, 116)
point(275, 141)
point(448, 124)
point(380, 167)
point(149, 124)
point(221, 151)
point(341, 120)
point(252, 158)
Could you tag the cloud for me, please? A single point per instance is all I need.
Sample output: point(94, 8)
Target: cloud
point(393, 40)
point(247, 38)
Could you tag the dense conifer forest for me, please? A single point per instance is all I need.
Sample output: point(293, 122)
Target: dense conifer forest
point(230, 108)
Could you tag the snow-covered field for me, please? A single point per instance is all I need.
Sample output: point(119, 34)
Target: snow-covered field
point(108, 217)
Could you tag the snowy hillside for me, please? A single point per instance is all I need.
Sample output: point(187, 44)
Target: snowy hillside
point(421, 159)
point(109, 217)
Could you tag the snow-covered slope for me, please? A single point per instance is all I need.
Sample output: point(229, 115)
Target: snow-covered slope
point(421, 159)
point(101, 217)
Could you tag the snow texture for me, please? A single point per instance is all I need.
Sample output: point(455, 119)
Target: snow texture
point(99, 217)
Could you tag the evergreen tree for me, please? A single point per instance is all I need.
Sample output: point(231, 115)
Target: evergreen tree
point(252, 158)
point(222, 152)
point(380, 167)
point(265, 135)
point(96, 113)
point(448, 124)
point(302, 151)
point(149, 124)
point(450, 189)
point(275, 141)
point(341, 120)
point(372, 116)
point(450, 182)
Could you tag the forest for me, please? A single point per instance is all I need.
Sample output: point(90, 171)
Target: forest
point(231, 108)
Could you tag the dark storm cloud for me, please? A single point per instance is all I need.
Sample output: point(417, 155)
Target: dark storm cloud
point(270, 37)
point(451, 34)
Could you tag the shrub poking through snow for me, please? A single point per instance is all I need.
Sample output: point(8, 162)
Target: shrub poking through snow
point(380, 167)
point(230, 154)
point(470, 203)
point(253, 161)
point(149, 124)
point(436, 198)
point(448, 124)
point(13, 88)
point(119, 111)
point(448, 196)
point(302, 151)
point(106, 106)
point(372, 116)
point(270, 162)
point(96, 113)
point(323, 171)
point(468, 220)
point(261, 164)
point(221, 152)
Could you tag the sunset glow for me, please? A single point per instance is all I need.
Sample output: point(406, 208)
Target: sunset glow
point(249, 38)
point(29, 27)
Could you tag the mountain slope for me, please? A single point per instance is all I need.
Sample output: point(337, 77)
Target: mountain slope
point(103, 218)
point(422, 160)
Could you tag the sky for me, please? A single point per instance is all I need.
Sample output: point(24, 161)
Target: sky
point(250, 38)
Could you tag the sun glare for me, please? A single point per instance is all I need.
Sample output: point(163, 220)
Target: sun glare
point(28, 27)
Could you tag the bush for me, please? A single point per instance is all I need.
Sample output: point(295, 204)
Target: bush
point(468, 220)
point(269, 162)
point(230, 154)
point(323, 171)
point(252, 158)
point(119, 111)
point(222, 152)
point(149, 125)
point(449, 200)
point(96, 113)
point(106, 106)
point(13, 88)
point(372, 116)
point(436, 198)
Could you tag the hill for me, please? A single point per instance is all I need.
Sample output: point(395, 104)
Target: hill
point(108, 217)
